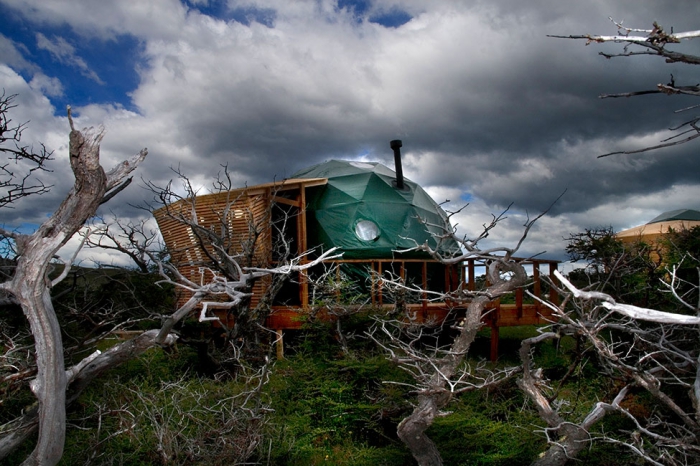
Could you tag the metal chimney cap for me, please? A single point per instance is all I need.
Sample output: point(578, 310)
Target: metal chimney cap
point(396, 143)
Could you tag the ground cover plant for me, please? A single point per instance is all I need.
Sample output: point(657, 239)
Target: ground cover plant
point(325, 403)
point(320, 406)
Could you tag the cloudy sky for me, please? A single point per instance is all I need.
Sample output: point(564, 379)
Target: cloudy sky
point(490, 110)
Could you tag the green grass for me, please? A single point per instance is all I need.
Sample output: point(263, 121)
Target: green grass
point(327, 407)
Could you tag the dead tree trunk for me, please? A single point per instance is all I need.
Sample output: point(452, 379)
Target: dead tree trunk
point(412, 429)
point(30, 285)
point(437, 373)
point(572, 438)
point(437, 393)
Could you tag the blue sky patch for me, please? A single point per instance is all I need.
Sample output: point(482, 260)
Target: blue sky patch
point(358, 7)
point(244, 15)
point(392, 19)
point(115, 62)
point(214, 8)
point(248, 15)
point(91, 71)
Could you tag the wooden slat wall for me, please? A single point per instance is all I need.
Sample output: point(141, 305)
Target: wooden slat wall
point(236, 212)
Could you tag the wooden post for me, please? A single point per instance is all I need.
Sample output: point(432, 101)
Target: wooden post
point(280, 344)
point(494, 339)
point(471, 281)
point(519, 302)
point(373, 285)
point(424, 272)
point(380, 299)
point(303, 246)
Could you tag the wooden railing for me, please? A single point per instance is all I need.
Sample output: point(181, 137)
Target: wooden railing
point(432, 276)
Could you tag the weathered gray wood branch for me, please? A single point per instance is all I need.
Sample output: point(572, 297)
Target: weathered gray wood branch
point(30, 285)
point(655, 42)
point(79, 376)
point(505, 275)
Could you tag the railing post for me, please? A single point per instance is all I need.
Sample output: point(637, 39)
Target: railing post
point(380, 274)
point(471, 281)
point(424, 272)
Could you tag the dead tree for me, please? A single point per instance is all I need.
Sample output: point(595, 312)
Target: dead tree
point(335, 296)
point(439, 372)
point(131, 239)
point(18, 174)
point(641, 350)
point(30, 286)
point(56, 386)
point(656, 42)
point(219, 291)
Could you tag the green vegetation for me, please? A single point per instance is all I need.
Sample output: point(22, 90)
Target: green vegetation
point(320, 406)
point(326, 403)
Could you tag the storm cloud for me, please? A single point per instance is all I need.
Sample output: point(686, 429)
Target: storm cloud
point(491, 111)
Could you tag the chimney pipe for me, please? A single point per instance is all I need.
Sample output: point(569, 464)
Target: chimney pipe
point(396, 147)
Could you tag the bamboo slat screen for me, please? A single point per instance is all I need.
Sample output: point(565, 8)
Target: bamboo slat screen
point(240, 218)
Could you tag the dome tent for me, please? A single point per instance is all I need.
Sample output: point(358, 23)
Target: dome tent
point(675, 215)
point(362, 211)
point(680, 219)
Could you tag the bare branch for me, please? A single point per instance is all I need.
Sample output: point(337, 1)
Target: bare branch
point(30, 284)
point(654, 42)
point(634, 312)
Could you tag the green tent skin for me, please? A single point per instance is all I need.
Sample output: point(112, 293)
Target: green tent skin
point(363, 212)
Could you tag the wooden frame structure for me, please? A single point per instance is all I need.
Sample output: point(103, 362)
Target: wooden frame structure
point(245, 219)
point(242, 217)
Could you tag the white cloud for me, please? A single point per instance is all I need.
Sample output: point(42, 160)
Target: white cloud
point(51, 87)
point(12, 54)
point(64, 52)
point(487, 106)
point(155, 18)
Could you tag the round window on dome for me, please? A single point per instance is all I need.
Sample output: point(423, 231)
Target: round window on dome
point(367, 230)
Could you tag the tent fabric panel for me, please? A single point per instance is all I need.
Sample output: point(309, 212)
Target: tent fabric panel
point(380, 189)
point(358, 191)
point(334, 169)
point(354, 186)
point(679, 214)
point(329, 195)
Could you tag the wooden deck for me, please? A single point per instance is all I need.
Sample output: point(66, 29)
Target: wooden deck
point(498, 314)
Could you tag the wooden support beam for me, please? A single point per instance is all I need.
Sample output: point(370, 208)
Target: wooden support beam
point(494, 340)
point(284, 200)
point(280, 344)
point(471, 280)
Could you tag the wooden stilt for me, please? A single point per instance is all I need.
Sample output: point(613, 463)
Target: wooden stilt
point(494, 341)
point(280, 344)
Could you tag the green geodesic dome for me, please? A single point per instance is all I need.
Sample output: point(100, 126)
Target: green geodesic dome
point(362, 212)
